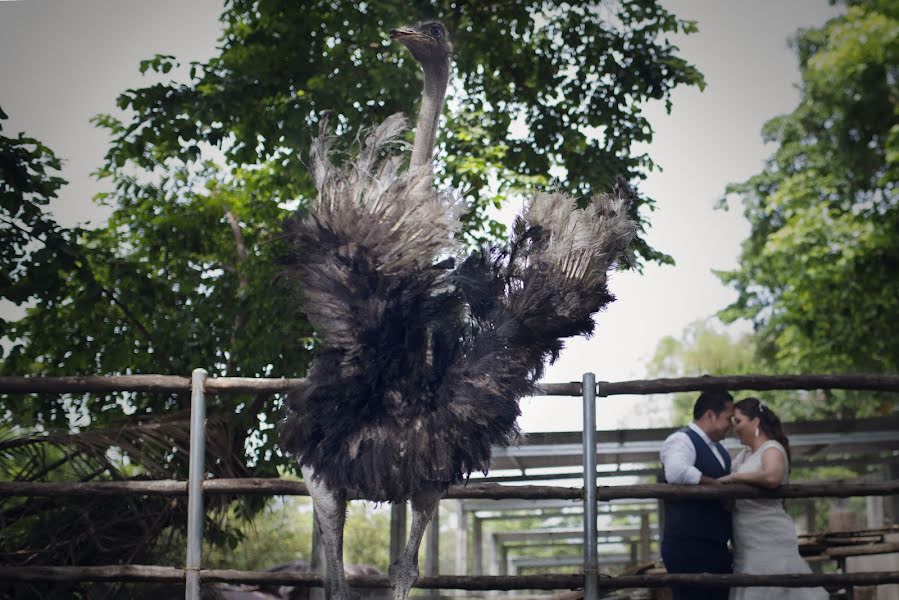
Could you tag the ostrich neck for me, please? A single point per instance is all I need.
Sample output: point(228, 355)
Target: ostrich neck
point(435, 82)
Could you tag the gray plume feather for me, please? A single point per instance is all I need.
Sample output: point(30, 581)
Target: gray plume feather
point(425, 352)
point(583, 244)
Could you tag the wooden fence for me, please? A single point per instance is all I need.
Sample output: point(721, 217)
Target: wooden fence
point(590, 493)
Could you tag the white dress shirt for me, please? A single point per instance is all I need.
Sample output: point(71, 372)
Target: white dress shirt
point(679, 455)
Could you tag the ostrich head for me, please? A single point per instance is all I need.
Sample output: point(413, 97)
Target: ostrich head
point(429, 44)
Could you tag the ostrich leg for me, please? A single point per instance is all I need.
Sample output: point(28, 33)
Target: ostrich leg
point(331, 508)
point(404, 570)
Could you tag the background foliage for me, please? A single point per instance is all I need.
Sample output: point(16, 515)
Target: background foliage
point(706, 349)
point(819, 273)
point(186, 272)
point(818, 276)
point(202, 173)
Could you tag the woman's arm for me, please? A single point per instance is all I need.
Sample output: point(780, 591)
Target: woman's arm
point(769, 476)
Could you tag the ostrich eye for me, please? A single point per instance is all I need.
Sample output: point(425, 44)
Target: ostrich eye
point(436, 31)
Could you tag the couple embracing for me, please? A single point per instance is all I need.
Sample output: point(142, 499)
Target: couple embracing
point(697, 533)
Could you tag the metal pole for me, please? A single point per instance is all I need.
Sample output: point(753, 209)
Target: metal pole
point(194, 485)
point(591, 559)
point(893, 502)
point(462, 541)
point(477, 547)
point(645, 537)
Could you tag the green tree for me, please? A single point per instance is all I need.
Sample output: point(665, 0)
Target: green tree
point(575, 75)
point(278, 534)
point(34, 249)
point(72, 279)
point(186, 272)
point(704, 349)
point(819, 273)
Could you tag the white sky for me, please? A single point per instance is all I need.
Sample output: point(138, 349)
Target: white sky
point(62, 62)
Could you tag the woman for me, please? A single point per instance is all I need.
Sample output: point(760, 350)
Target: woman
point(764, 536)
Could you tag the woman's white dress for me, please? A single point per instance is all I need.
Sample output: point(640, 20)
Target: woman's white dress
point(765, 537)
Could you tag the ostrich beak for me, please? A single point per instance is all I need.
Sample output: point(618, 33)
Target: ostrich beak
point(396, 34)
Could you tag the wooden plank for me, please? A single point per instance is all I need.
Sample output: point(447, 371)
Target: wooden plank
point(494, 491)
point(95, 573)
point(94, 383)
point(829, 489)
point(215, 385)
point(485, 582)
point(741, 580)
point(284, 487)
point(867, 550)
point(142, 383)
point(856, 381)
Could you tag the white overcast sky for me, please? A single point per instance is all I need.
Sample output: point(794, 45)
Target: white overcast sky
point(64, 61)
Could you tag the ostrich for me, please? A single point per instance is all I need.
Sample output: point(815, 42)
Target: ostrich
point(425, 351)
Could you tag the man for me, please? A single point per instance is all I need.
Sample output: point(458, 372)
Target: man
point(696, 532)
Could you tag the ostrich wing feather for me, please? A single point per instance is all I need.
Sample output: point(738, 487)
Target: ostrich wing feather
point(558, 274)
point(368, 243)
point(523, 298)
point(422, 363)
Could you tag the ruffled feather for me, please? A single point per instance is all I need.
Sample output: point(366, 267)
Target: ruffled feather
point(423, 357)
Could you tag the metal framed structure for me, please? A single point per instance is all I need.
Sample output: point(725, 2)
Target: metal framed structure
point(811, 443)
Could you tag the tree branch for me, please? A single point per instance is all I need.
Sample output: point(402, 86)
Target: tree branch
point(243, 282)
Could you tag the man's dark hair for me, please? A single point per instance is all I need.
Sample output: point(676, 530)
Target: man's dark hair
point(715, 401)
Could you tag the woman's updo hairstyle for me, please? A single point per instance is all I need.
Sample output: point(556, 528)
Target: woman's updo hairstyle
point(768, 421)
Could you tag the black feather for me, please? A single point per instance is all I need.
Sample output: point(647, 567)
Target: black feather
point(424, 357)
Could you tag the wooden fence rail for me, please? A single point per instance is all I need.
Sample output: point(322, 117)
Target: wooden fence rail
point(284, 487)
point(225, 385)
point(156, 574)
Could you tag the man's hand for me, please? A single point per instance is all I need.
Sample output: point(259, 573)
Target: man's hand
point(706, 480)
